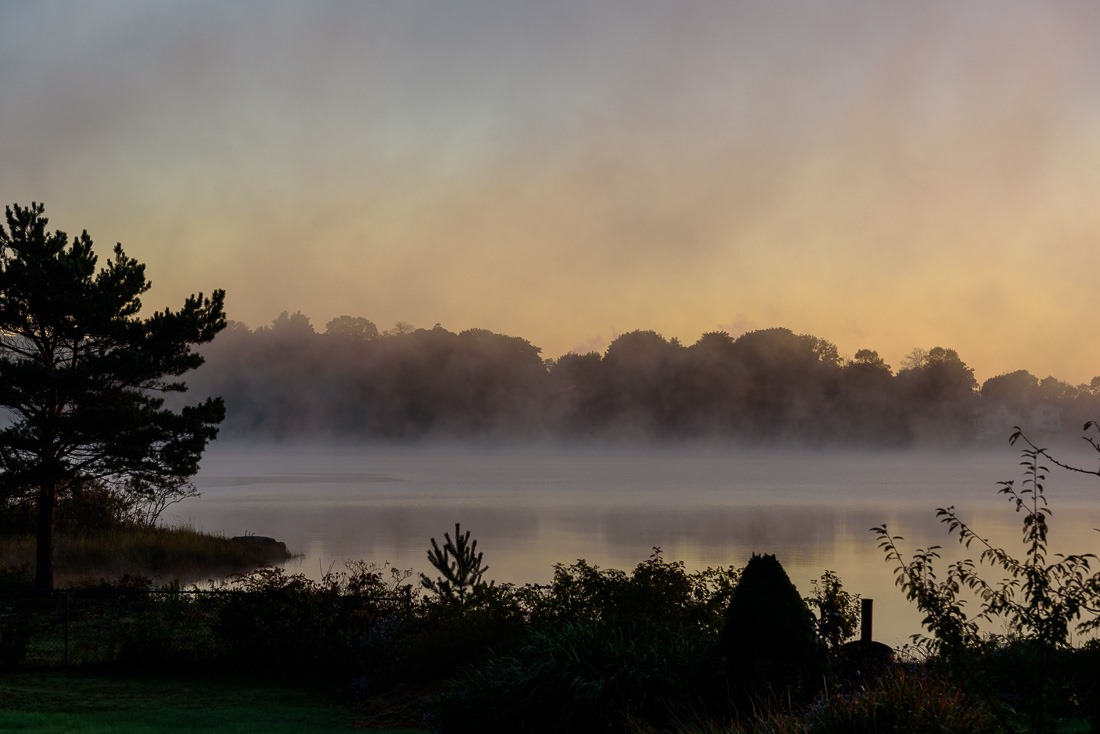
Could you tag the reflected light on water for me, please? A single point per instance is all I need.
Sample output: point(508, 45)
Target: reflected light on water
point(532, 509)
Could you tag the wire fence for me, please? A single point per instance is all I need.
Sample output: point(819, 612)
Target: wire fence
point(104, 627)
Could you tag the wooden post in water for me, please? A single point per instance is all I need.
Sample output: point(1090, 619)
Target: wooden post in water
point(866, 616)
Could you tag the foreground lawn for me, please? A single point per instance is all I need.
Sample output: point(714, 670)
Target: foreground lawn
point(57, 702)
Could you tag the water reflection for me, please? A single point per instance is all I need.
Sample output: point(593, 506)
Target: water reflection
point(530, 510)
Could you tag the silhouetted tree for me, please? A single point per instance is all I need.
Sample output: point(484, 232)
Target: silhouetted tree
point(641, 383)
point(400, 328)
point(769, 638)
point(574, 393)
point(1087, 402)
point(825, 351)
point(355, 328)
point(290, 329)
point(712, 377)
point(284, 380)
point(1055, 390)
point(492, 383)
point(868, 409)
point(788, 389)
point(286, 361)
point(460, 564)
point(870, 358)
point(940, 396)
point(916, 359)
point(82, 373)
point(1017, 388)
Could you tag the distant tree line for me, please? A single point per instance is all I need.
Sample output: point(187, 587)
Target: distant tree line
point(353, 381)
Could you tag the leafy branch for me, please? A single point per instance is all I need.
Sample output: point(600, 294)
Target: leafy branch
point(1040, 599)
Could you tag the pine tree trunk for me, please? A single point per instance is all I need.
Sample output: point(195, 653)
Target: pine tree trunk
point(44, 554)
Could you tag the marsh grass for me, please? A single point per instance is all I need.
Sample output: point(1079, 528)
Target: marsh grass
point(905, 701)
point(159, 553)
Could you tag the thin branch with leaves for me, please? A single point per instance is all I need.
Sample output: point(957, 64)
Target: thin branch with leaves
point(1040, 599)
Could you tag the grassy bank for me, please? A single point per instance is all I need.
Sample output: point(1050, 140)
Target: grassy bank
point(158, 553)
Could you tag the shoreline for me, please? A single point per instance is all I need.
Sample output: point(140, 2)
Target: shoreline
point(161, 554)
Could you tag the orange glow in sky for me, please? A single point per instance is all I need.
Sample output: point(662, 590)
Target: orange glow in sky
point(882, 175)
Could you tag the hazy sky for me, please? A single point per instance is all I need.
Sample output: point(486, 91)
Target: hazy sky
point(880, 174)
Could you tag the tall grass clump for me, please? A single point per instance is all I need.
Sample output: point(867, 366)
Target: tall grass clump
point(170, 553)
point(904, 701)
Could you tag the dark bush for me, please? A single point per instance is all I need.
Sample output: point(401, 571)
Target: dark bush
point(836, 611)
point(579, 678)
point(441, 637)
point(1082, 668)
point(768, 638)
point(1040, 601)
point(657, 593)
point(130, 623)
point(601, 649)
point(15, 636)
point(284, 624)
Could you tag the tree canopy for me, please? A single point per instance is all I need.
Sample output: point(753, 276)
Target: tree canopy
point(83, 373)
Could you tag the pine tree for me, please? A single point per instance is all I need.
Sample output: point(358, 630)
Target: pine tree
point(460, 564)
point(83, 373)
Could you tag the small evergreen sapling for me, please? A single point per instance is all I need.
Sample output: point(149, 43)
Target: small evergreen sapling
point(460, 563)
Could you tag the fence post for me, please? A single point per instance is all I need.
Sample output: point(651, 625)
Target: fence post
point(66, 628)
point(866, 616)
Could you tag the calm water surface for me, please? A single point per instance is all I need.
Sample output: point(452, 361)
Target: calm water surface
point(530, 509)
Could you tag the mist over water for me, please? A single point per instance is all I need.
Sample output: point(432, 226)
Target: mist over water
point(533, 507)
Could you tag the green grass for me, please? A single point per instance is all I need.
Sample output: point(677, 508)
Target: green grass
point(43, 702)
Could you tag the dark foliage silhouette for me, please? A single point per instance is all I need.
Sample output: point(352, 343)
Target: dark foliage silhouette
point(460, 565)
point(768, 636)
point(1038, 602)
point(286, 381)
point(82, 374)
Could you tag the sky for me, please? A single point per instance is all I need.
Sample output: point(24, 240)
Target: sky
point(884, 175)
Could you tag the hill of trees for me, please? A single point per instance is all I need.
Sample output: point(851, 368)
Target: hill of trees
point(353, 381)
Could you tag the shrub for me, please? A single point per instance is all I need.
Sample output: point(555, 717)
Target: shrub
point(461, 619)
point(440, 636)
point(578, 678)
point(15, 636)
point(768, 637)
point(594, 649)
point(657, 592)
point(166, 629)
point(291, 622)
point(837, 612)
point(1038, 601)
